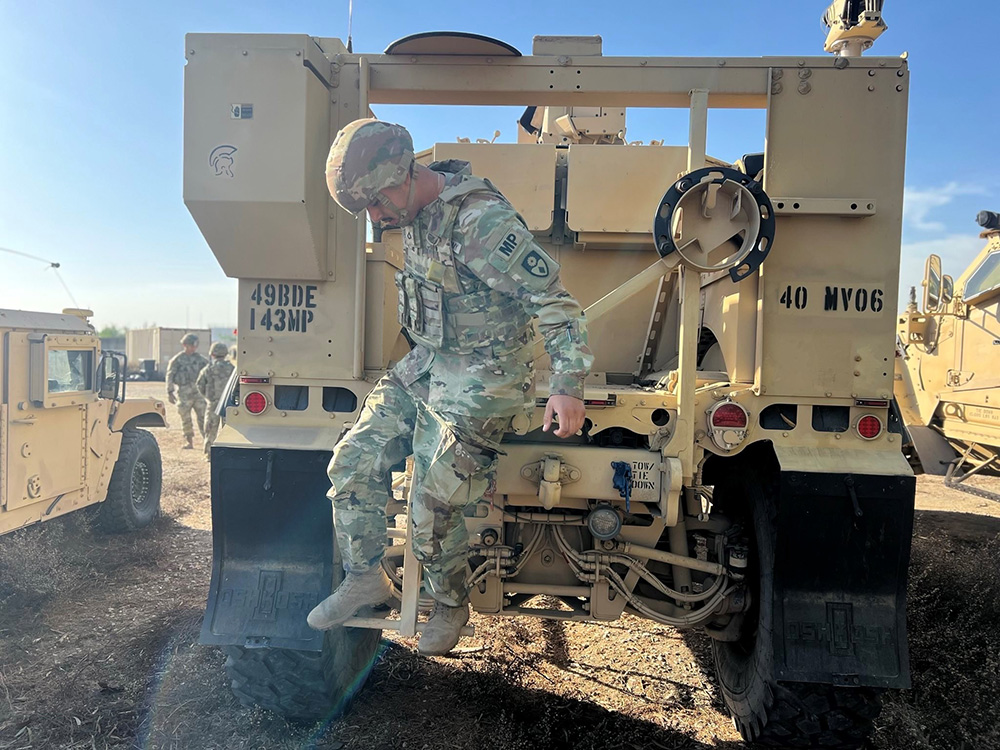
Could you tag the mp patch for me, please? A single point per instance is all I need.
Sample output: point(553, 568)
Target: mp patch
point(515, 253)
point(506, 242)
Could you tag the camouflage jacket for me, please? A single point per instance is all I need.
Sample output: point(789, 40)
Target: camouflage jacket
point(212, 380)
point(493, 251)
point(183, 369)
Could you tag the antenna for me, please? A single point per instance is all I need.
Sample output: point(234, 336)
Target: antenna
point(350, 22)
point(51, 264)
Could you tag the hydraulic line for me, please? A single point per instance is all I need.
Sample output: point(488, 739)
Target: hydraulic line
point(715, 594)
point(483, 570)
point(596, 566)
point(545, 518)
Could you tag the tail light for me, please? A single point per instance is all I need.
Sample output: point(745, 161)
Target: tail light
point(255, 402)
point(869, 427)
point(729, 415)
point(727, 424)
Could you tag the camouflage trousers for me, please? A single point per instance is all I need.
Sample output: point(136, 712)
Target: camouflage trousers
point(211, 431)
point(453, 454)
point(188, 398)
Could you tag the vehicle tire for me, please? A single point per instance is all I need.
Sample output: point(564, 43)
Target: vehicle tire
point(133, 499)
point(763, 710)
point(305, 685)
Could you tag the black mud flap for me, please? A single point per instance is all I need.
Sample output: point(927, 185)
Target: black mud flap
point(272, 547)
point(843, 547)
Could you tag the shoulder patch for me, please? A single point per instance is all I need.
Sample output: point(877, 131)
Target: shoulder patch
point(514, 251)
point(506, 242)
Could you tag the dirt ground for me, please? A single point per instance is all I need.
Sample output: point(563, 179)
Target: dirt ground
point(98, 649)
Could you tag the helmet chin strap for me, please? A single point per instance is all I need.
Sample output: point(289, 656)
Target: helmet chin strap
point(404, 215)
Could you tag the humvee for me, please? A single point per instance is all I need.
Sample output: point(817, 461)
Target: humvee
point(735, 474)
point(946, 375)
point(69, 439)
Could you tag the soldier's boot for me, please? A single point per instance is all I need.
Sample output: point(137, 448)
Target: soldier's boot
point(190, 442)
point(356, 591)
point(443, 629)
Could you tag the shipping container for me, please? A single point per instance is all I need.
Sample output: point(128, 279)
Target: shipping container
point(159, 345)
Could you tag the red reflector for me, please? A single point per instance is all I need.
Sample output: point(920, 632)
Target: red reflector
point(255, 402)
point(869, 427)
point(729, 415)
point(260, 381)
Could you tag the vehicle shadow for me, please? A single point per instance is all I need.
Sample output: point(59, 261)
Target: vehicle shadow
point(408, 702)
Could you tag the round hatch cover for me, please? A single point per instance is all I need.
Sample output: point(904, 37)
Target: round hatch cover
point(450, 43)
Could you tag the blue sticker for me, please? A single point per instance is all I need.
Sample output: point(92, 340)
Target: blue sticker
point(535, 264)
point(221, 160)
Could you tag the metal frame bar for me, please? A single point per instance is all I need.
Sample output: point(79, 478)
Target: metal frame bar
point(733, 83)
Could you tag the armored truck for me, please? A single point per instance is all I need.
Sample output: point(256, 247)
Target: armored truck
point(735, 473)
point(69, 438)
point(947, 382)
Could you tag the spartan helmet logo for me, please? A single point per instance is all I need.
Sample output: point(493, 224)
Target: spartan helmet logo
point(221, 160)
point(535, 265)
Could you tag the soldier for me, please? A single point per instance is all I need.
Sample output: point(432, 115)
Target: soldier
point(211, 383)
point(474, 277)
point(182, 372)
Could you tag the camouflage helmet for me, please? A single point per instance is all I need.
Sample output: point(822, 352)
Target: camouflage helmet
point(189, 338)
point(219, 349)
point(367, 156)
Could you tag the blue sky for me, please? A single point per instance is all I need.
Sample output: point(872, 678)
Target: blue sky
point(90, 124)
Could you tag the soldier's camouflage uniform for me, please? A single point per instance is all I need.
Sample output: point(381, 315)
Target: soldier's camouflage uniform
point(474, 278)
point(210, 384)
point(182, 374)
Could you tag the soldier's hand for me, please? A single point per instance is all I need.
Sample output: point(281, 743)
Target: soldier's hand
point(569, 410)
point(171, 397)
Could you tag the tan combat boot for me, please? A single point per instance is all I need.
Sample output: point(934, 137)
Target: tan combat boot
point(357, 590)
point(190, 443)
point(443, 629)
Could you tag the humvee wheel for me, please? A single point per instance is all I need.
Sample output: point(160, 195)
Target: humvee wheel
point(304, 684)
point(133, 499)
point(787, 714)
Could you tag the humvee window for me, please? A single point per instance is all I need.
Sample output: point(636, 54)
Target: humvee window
point(984, 279)
point(70, 370)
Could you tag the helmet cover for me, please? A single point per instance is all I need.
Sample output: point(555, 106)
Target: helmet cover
point(367, 156)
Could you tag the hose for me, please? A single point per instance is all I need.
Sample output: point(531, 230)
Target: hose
point(715, 595)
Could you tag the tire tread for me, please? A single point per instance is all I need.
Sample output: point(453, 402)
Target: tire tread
point(304, 685)
point(116, 515)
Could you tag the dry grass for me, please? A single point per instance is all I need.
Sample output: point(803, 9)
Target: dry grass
point(954, 625)
point(38, 561)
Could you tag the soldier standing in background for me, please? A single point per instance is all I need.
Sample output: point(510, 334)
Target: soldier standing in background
point(211, 383)
point(182, 372)
point(474, 278)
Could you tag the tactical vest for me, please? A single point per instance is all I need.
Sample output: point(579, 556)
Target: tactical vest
point(435, 306)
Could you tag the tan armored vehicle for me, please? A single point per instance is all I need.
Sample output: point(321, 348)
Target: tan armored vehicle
point(68, 437)
point(948, 372)
point(736, 473)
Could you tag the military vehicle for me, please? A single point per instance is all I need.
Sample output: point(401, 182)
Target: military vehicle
point(69, 439)
point(736, 473)
point(946, 375)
